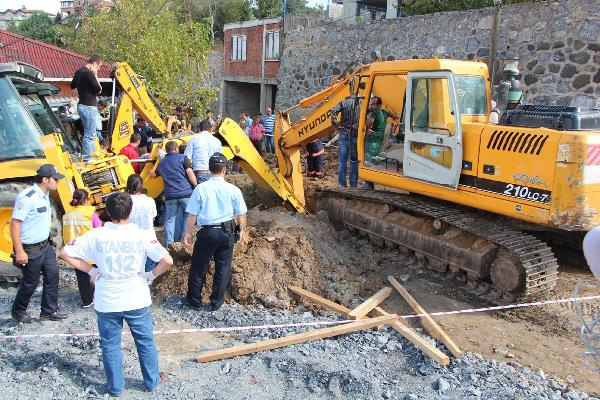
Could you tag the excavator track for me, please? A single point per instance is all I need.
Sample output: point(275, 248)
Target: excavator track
point(501, 264)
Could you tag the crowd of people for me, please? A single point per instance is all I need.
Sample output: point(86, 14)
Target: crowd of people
point(116, 261)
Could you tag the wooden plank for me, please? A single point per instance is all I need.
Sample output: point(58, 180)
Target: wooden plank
point(428, 322)
point(368, 305)
point(417, 340)
point(294, 339)
point(315, 298)
point(398, 326)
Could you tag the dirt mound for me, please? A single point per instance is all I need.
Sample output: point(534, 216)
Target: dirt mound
point(289, 249)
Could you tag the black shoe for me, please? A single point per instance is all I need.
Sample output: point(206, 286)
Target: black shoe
point(22, 317)
point(215, 308)
point(55, 316)
point(194, 306)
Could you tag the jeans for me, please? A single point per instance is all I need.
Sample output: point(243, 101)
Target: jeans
point(175, 219)
point(269, 144)
point(210, 243)
point(202, 176)
point(88, 115)
point(110, 326)
point(42, 261)
point(348, 148)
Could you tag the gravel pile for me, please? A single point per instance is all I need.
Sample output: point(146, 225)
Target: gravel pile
point(362, 365)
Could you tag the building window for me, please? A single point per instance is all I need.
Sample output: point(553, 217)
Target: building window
point(272, 44)
point(238, 52)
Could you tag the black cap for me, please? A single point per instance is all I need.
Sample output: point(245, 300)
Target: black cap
point(49, 170)
point(217, 159)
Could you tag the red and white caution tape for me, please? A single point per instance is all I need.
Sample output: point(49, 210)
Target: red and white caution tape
point(306, 324)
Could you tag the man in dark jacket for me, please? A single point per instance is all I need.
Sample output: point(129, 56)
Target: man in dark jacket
point(179, 182)
point(88, 87)
point(349, 110)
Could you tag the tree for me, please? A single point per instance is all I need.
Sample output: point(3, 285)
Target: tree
point(273, 8)
point(152, 36)
point(218, 13)
point(410, 7)
point(38, 26)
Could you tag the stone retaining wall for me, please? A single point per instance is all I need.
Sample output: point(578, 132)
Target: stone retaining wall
point(558, 43)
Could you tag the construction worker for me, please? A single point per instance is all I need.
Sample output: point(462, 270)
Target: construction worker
point(314, 158)
point(349, 109)
point(76, 223)
point(200, 148)
point(179, 183)
point(120, 250)
point(131, 150)
point(218, 208)
point(88, 87)
point(34, 254)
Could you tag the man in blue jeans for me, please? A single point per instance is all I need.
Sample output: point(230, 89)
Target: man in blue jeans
point(179, 183)
point(120, 250)
point(349, 110)
point(88, 87)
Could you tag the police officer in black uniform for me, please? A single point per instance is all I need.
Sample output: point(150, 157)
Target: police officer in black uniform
point(218, 208)
point(34, 254)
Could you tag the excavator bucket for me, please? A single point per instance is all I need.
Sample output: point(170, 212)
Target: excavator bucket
point(237, 147)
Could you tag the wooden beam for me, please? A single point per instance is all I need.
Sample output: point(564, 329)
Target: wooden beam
point(429, 323)
point(294, 339)
point(397, 325)
point(315, 298)
point(368, 305)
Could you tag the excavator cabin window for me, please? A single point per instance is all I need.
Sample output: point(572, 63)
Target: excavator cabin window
point(383, 147)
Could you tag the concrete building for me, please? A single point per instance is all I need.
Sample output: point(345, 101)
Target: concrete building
point(9, 15)
point(251, 66)
point(369, 9)
point(70, 7)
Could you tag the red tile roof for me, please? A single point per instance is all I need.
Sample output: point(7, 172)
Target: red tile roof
point(53, 61)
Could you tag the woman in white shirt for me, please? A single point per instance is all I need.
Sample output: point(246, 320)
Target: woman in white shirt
point(143, 211)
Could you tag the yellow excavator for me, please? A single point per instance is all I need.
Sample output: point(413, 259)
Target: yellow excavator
point(464, 194)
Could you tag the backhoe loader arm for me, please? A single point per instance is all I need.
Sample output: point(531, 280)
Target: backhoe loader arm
point(314, 124)
point(134, 96)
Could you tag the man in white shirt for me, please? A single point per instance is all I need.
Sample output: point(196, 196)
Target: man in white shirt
point(200, 148)
point(120, 250)
point(591, 250)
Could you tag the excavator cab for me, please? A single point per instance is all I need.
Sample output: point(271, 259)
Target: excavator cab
point(428, 134)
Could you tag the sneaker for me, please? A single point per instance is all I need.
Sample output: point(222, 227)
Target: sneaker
point(88, 305)
point(22, 317)
point(55, 316)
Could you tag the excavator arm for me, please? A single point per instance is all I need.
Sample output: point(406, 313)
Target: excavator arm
point(133, 96)
point(312, 125)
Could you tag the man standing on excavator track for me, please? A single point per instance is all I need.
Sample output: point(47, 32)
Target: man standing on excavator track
point(88, 87)
point(347, 128)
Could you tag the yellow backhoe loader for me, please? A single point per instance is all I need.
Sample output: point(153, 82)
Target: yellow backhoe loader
point(31, 135)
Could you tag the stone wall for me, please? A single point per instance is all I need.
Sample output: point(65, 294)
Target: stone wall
point(558, 43)
point(214, 74)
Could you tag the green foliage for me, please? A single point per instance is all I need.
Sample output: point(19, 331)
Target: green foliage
point(410, 7)
point(152, 37)
point(38, 26)
point(273, 8)
point(218, 13)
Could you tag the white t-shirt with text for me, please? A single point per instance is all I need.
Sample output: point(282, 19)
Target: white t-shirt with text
point(120, 252)
point(143, 213)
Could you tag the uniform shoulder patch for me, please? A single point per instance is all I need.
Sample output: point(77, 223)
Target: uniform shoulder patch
point(154, 241)
point(30, 193)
